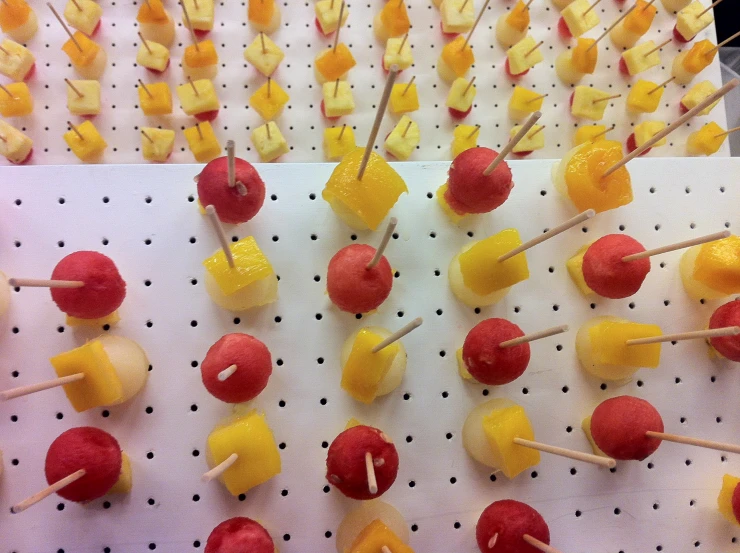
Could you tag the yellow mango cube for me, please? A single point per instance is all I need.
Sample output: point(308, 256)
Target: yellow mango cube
point(338, 99)
point(522, 57)
point(327, 14)
point(88, 145)
point(575, 270)
point(452, 215)
point(202, 142)
point(638, 21)
point(398, 52)
point(125, 480)
point(110, 319)
point(458, 56)
point(462, 368)
point(501, 426)
point(199, 56)
point(646, 130)
point(17, 146)
point(724, 500)
point(697, 94)
point(523, 102)
point(375, 537)
point(718, 265)
point(457, 16)
point(269, 141)
point(464, 137)
point(588, 103)
point(689, 24)
point(258, 458)
point(586, 427)
point(155, 99)
point(250, 265)
point(699, 57)
point(157, 144)
point(85, 54)
point(461, 95)
point(609, 347)
point(394, 19)
point(707, 140)
point(153, 55)
point(333, 64)
point(404, 98)
point(83, 15)
point(533, 140)
point(101, 385)
point(578, 23)
point(481, 270)
point(16, 100)
point(587, 133)
point(644, 97)
point(85, 99)
point(201, 14)
point(152, 12)
point(518, 17)
point(338, 141)
point(365, 370)
point(198, 97)
point(640, 58)
point(403, 139)
point(264, 54)
point(269, 100)
point(585, 55)
point(15, 60)
point(261, 12)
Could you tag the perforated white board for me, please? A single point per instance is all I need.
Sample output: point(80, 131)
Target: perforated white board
point(301, 122)
point(664, 502)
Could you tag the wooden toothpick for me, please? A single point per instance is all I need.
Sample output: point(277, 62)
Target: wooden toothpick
point(408, 126)
point(76, 130)
point(661, 85)
point(513, 142)
point(584, 14)
point(475, 130)
point(678, 245)
point(403, 42)
point(534, 336)
point(462, 6)
point(605, 98)
point(698, 15)
point(708, 444)
point(262, 40)
point(646, 6)
point(144, 42)
point(729, 131)
point(599, 460)
point(383, 243)
point(4, 51)
point(398, 334)
point(658, 47)
point(344, 126)
point(336, 88)
point(537, 544)
point(267, 129)
point(609, 29)
point(77, 5)
point(269, 86)
point(231, 162)
point(475, 24)
point(189, 25)
point(538, 97)
point(8, 92)
point(40, 386)
point(693, 335)
point(219, 230)
point(372, 482)
point(339, 27)
point(470, 84)
point(226, 373)
point(192, 84)
point(392, 74)
point(602, 133)
point(40, 283)
point(406, 89)
point(142, 85)
point(542, 128)
point(721, 44)
point(43, 494)
point(540, 43)
point(64, 25)
point(146, 135)
point(219, 469)
point(200, 132)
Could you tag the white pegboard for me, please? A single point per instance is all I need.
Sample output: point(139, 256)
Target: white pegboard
point(146, 219)
point(301, 122)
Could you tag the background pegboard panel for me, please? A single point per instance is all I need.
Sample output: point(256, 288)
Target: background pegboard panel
point(301, 122)
point(146, 219)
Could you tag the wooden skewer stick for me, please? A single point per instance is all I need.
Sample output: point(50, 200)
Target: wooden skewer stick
point(475, 24)
point(149, 138)
point(538, 97)
point(344, 127)
point(262, 40)
point(200, 134)
point(721, 44)
point(729, 131)
point(383, 243)
point(336, 88)
point(709, 444)
point(392, 74)
point(189, 24)
point(609, 29)
point(513, 142)
point(40, 387)
point(403, 134)
point(339, 27)
point(195, 3)
point(64, 25)
point(658, 47)
point(673, 126)
point(577, 220)
point(403, 42)
point(385, 549)
point(462, 6)
point(534, 336)
point(41, 283)
point(537, 544)
point(398, 334)
point(607, 462)
point(372, 483)
point(43, 494)
point(226, 373)
point(492, 541)
point(526, 6)
point(542, 128)
point(661, 85)
point(219, 469)
point(698, 15)
point(8, 92)
point(605, 98)
point(269, 86)
point(231, 163)
point(648, 5)
point(4, 51)
point(602, 133)
point(77, 5)
point(76, 130)
point(406, 89)
point(192, 84)
point(219, 230)
point(267, 129)
point(142, 85)
point(540, 43)
point(693, 335)
point(3, 138)
point(470, 84)
point(144, 42)
point(678, 246)
point(475, 130)
point(584, 14)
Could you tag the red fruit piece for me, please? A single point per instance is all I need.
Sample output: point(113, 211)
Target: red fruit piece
point(200, 33)
point(632, 145)
point(679, 37)
point(239, 534)
point(618, 427)
point(253, 368)
point(570, 100)
point(512, 75)
point(473, 191)
point(88, 448)
point(623, 69)
point(323, 112)
point(354, 288)
point(605, 272)
point(726, 315)
point(97, 28)
point(318, 26)
point(523, 154)
point(104, 289)
point(446, 35)
point(207, 115)
point(345, 461)
point(682, 108)
point(489, 363)
point(564, 30)
point(509, 521)
point(457, 114)
point(232, 207)
point(31, 72)
point(157, 71)
point(736, 503)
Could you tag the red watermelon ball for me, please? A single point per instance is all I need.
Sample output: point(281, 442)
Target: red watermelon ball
point(253, 368)
point(239, 535)
point(486, 361)
point(104, 289)
point(87, 448)
point(510, 519)
point(345, 462)
point(618, 427)
point(471, 189)
point(605, 272)
point(231, 206)
point(726, 315)
point(736, 503)
point(354, 288)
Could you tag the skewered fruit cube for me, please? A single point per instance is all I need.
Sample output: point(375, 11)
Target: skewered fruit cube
point(200, 61)
point(89, 146)
point(712, 270)
point(85, 18)
point(523, 102)
point(639, 20)
point(585, 55)
point(89, 102)
point(376, 536)
point(481, 271)
point(403, 100)
point(363, 203)
point(201, 14)
point(17, 101)
point(578, 23)
point(688, 24)
point(156, 99)
point(327, 14)
point(269, 100)
point(335, 147)
point(699, 57)
point(461, 95)
point(464, 137)
point(588, 103)
point(269, 141)
point(454, 19)
point(698, 93)
point(638, 60)
point(17, 146)
point(155, 23)
point(501, 426)
point(258, 458)
point(521, 57)
point(391, 21)
point(204, 100)
point(266, 59)
point(646, 130)
point(250, 266)
point(644, 97)
point(706, 141)
point(332, 64)
point(264, 15)
point(575, 270)
point(125, 479)
point(403, 139)
point(157, 144)
point(518, 17)
point(587, 133)
point(452, 215)
point(513, 26)
point(18, 20)
point(533, 140)
point(455, 60)
point(725, 502)
point(202, 142)
point(364, 370)
point(17, 62)
point(101, 385)
point(153, 55)
point(398, 52)
point(338, 99)
point(89, 59)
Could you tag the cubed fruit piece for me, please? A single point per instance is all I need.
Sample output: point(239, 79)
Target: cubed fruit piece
point(86, 142)
point(101, 385)
point(464, 137)
point(699, 57)
point(16, 60)
point(518, 17)
point(157, 144)
point(587, 133)
point(457, 16)
point(269, 100)
point(523, 102)
point(153, 55)
point(110, 319)
point(404, 98)
point(198, 97)
point(16, 100)
point(269, 141)
point(264, 58)
point(338, 99)
point(333, 64)
point(125, 480)
point(533, 140)
point(644, 97)
point(403, 139)
point(646, 130)
point(501, 426)
point(461, 95)
point(83, 15)
point(364, 370)
point(155, 99)
point(457, 57)
point(82, 51)
point(15, 146)
point(718, 265)
point(585, 55)
point(392, 21)
point(482, 272)
point(376, 537)
point(202, 142)
point(587, 102)
point(453, 215)
point(327, 15)
point(398, 52)
point(728, 501)
point(609, 344)
point(152, 11)
point(575, 270)
point(688, 22)
point(84, 99)
point(258, 458)
point(523, 56)
point(14, 14)
point(250, 265)
point(638, 21)
point(200, 13)
point(698, 93)
point(201, 55)
point(578, 23)
point(637, 59)
point(261, 12)
point(338, 141)
point(707, 140)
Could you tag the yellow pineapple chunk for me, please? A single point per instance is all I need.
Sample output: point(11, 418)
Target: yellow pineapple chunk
point(523, 102)
point(608, 344)
point(109, 319)
point(646, 130)
point(586, 427)
point(336, 146)
point(462, 368)
point(718, 265)
point(641, 57)
point(587, 133)
point(589, 103)
point(688, 22)
point(481, 271)
point(575, 270)
point(403, 139)
point(578, 23)
point(644, 97)
point(250, 265)
point(453, 215)
point(375, 537)
point(464, 137)
point(698, 93)
point(364, 370)
point(533, 140)
point(707, 140)
point(523, 55)
point(404, 98)
point(125, 482)
point(501, 426)
point(724, 501)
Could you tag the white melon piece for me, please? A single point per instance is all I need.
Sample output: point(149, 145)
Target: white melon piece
point(465, 294)
point(584, 351)
point(565, 69)
point(93, 70)
point(695, 289)
point(163, 33)
point(474, 437)
point(130, 362)
point(25, 32)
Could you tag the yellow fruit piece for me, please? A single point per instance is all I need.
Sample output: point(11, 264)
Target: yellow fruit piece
point(15, 60)
point(251, 439)
point(201, 13)
point(157, 144)
point(376, 536)
point(464, 137)
point(575, 270)
point(608, 344)
point(688, 21)
point(523, 102)
point(89, 102)
point(18, 103)
point(351, 423)
point(699, 57)
point(333, 64)
point(156, 99)
point(269, 100)
point(587, 133)
point(457, 16)
point(338, 99)
point(698, 93)
point(646, 130)
point(453, 215)
point(250, 265)
point(335, 147)
point(16, 145)
point(198, 97)
point(101, 385)
point(403, 139)
point(395, 19)
point(111, 319)
point(461, 95)
point(462, 368)
point(153, 56)
point(457, 57)
point(366, 202)
point(201, 56)
point(523, 55)
point(718, 265)
point(578, 23)
point(707, 140)
point(644, 97)
point(584, 57)
point(151, 11)
point(364, 370)
point(266, 59)
point(533, 140)
point(269, 141)
point(202, 142)
point(481, 270)
point(519, 16)
point(586, 427)
point(638, 21)
point(85, 54)
point(501, 427)
point(83, 15)
point(404, 100)
point(589, 103)
point(724, 501)
point(260, 11)
point(89, 146)
point(13, 14)
point(125, 481)
point(327, 14)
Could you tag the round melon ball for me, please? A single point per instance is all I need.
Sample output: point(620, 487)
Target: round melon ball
point(724, 316)
point(130, 362)
point(509, 520)
point(231, 206)
point(357, 520)
point(394, 376)
point(605, 272)
point(253, 368)
point(619, 424)
point(473, 191)
point(354, 288)
point(239, 535)
point(489, 363)
point(465, 294)
point(474, 438)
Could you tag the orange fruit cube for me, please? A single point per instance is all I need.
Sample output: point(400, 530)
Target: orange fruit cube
point(457, 56)
point(85, 54)
point(519, 17)
point(699, 57)
point(202, 56)
point(718, 265)
point(639, 20)
point(332, 64)
point(583, 59)
point(151, 11)
point(13, 14)
point(260, 11)
point(395, 18)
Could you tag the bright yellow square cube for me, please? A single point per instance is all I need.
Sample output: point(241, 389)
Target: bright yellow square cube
point(88, 145)
point(101, 385)
point(608, 344)
point(575, 270)
point(724, 500)
point(687, 22)
point(269, 141)
point(646, 130)
point(481, 270)
point(89, 102)
point(403, 139)
point(698, 93)
point(157, 144)
point(365, 370)
point(200, 13)
point(377, 537)
point(644, 97)
point(198, 97)
point(153, 55)
point(16, 100)
point(588, 103)
point(461, 95)
point(258, 458)
point(85, 17)
point(587, 133)
point(338, 98)
point(15, 60)
point(464, 137)
point(637, 59)
point(501, 427)
point(404, 98)
point(82, 51)
point(156, 99)
point(707, 140)
point(264, 58)
point(337, 143)
point(578, 23)
point(202, 142)
point(533, 140)
point(250, 265)
point(717, 265)
point(398, 52)
point(17, 146)
point(522, 57)
point(523, 102)
point(457, 16)
point(327, 14)
point(269, 100)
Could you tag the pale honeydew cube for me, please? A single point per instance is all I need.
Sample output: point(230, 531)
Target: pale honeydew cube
point(85, 19)
point(454, 20)
point(474, 437)
point(533, 140)
point(17, 62)
point(519, 61)
point(444, 71)
point(565, 69)
point(197, 73)
point(328, 16)
point(394, 376)
point(576, 21)
point(674, 6)
point(636, 59)
point(94, 70)
point(457, 98)
point(622, 37)
point(272, 146)
point(130, 363)
point(506, 35)
point(89, 102)
point(362, 516)
point(340, 104)
point(25, 32)
point(16, 145)
point(648, 129)
point(163, 33)
point(160, 146)
point(678, 71)
point(155, 57)
point(395, 54)
point(403, 139)
point(687, 22)
point(697, 94)
point(201, 16)
point(267, 60)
